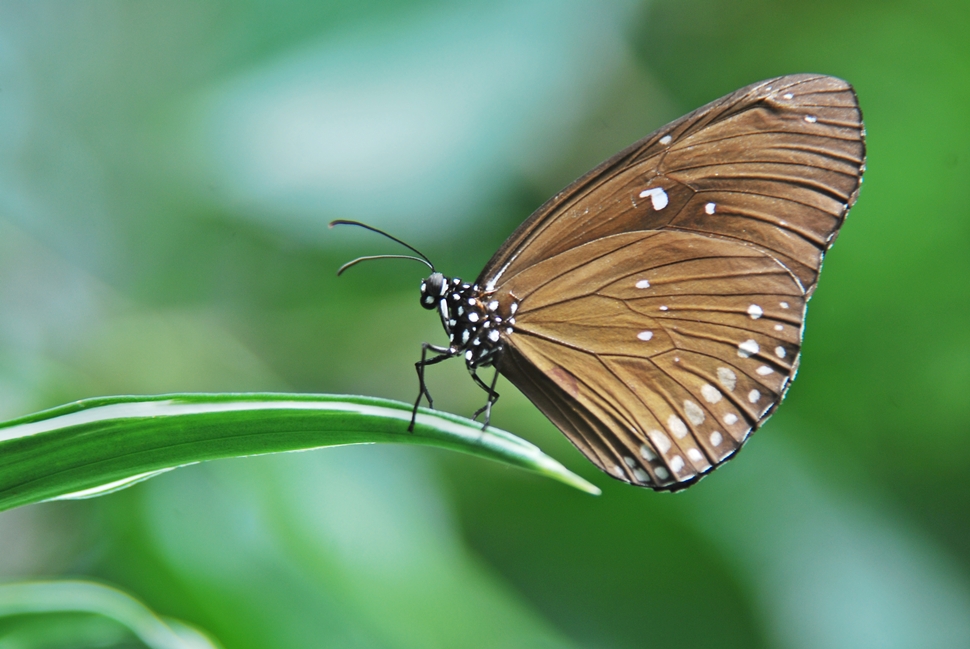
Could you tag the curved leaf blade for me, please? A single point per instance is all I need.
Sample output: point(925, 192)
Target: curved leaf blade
point(96, 446)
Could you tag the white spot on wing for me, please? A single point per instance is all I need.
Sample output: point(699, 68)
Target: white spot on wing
point(730, 419)
point(695, 455)
point(695, 414)
point(663, 308)
point(780, 351)
point(811, 119)
point(641, 475)
point(710, 393)
point(643, 284)
point(661, 441)
point(677, 426)
point(754, 396)
point(788, 95)
point(716, 438)
point(493, 305)
point(710, 207)
point(618, 471)
point(665, 140)
point(661, 473)
point(747, 348)
point(493, 335)
point(657, 196)
point(755, 311)
point(676, 463)
point(645, 335)
point(727, 378)
point(646, 453)
point(783, 305)
point(473, 317)
point(630, 462)
point(764, 370)
point(779, 327)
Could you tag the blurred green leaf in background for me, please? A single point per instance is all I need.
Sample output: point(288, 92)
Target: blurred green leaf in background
point(86, 614)
point(167, 171)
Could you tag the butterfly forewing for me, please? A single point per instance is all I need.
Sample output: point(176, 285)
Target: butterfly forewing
point(783, 156)
point(659, 300)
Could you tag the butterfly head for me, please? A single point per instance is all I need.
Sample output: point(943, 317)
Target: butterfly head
point(433, 289)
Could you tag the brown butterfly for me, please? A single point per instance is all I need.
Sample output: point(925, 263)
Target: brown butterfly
point(653, 309)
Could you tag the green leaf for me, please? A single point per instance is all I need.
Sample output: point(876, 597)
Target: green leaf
point(96, 446)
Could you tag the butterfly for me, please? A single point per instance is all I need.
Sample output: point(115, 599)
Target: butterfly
point(653, 310)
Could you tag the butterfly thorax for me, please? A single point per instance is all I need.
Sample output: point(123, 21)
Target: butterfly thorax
point(473, 319)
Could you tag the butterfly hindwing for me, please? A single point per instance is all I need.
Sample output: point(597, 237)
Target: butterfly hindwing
point(676, 344)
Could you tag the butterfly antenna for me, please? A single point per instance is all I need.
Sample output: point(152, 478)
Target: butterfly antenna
point(369, 257)
point(420, 255)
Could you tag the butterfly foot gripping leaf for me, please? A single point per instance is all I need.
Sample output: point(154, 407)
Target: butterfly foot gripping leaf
point(653, 310)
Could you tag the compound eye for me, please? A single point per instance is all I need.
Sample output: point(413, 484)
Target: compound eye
point(428, 291)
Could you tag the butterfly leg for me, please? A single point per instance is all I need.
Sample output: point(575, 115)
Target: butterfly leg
point(443, 353)
point(492, 397)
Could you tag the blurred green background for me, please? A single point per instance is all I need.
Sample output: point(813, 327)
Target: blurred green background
point(167, 171)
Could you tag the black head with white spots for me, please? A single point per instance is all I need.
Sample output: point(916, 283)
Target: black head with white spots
point(433, 290)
